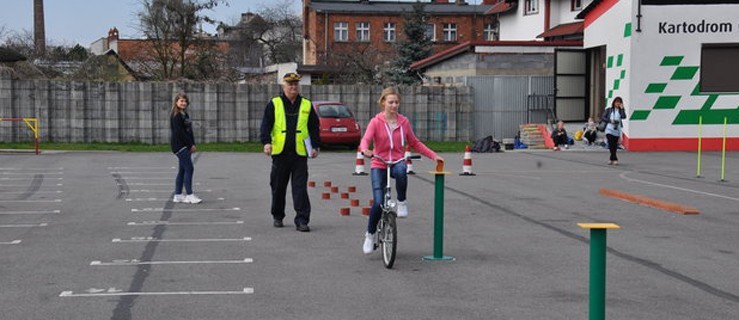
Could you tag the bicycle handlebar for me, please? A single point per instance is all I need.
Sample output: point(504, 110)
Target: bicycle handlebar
point(395, 161)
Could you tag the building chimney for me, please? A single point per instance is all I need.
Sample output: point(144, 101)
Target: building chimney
point(39, 33)
point(113, 34)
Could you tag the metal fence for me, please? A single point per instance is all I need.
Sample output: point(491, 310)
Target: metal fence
point(501, 103)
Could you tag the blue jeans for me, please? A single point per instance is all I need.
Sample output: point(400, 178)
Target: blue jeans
point(184, 174)
point(397, 172)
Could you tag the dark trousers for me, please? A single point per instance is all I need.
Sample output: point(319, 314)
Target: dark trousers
point(184, 172)
point(612, 146)
point(590, 136)
point(559, 140)
point(284, 168)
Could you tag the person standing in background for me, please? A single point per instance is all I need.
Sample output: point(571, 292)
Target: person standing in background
point(182, 142)
point(614, 116)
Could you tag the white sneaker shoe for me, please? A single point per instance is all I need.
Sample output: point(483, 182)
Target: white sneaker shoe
point(178, 198)
point(369, 243)
point(192, 198)
point(402, 209)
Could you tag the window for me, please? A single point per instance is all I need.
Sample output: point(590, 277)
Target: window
point(341, 31)
point(450, 32)
point(491, 32)
point(389, 32)
point(363, 31)
point(718, 69)
point(531, 6)
point(575, 5)
point(431, 32)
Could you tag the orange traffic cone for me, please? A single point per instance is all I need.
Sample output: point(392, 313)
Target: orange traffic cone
point(359, 167)
point(467, 163)
point(408, 162)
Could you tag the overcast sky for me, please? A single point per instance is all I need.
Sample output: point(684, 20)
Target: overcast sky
point(69, 22)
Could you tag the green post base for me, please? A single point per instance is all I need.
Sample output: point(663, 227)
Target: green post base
point(442, 258)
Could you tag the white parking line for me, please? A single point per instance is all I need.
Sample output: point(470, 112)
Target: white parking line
point(40, 169)
point(184, 210)
point(28, 173)
point(115, 292)
point(23, 225)
point(23, 179)
point(35, 192)
point(167, 223)
point(623, 176)
point(30, 212)
point(127, 168)
point(144, 172)
point(152, 239)
point(33, 201)
point(152, 184)
point(25, 185)
point(163, 190)
point(135, 262)
point(147, 178)
point(11, 242)
point(162, 199)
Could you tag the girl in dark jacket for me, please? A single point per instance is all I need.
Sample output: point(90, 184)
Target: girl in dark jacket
point(614, 116)
point(182, 141)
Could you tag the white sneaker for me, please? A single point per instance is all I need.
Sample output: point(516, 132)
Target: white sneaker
point(178, 198)
point(192, 198)
point(369, 243)
point(402, 209)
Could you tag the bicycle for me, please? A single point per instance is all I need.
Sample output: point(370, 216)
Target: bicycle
point(387, 231)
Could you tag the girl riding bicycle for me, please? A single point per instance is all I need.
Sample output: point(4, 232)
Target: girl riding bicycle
point(390, 131)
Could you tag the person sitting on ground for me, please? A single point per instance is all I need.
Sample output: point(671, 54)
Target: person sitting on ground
point(559, 136)
point(590, 131)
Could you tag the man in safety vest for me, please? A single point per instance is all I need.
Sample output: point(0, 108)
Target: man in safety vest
point(289, 133)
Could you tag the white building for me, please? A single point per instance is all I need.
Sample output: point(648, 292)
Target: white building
point(675, 63)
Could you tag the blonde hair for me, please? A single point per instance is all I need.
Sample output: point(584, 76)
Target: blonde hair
point(174, 105)
point(388, 92)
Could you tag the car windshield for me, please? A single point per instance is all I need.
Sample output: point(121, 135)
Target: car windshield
point(334, 111)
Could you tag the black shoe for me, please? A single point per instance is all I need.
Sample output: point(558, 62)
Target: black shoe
point(278, 223)
point(302, 228)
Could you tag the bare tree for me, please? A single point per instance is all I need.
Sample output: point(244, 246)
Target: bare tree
point(171, 27)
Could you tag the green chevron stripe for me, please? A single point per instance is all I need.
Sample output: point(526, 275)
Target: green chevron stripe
point(640, 114)
point(684, 73)
point(656, 88)
point(709, 116)
point(671, 61)
point(666, 102)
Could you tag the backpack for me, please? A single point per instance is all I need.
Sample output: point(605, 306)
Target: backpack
point(487, 144)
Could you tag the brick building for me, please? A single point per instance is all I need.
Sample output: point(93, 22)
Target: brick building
point(370, 28)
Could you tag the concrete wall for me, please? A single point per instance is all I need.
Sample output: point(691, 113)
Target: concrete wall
point(222, 112)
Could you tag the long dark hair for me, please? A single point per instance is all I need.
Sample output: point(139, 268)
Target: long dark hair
point(617, 99)
point(174, 104)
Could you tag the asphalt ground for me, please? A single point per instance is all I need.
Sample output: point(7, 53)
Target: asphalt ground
point(94, 243)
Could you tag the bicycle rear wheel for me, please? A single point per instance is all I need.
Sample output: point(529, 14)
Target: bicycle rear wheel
point(389, 240)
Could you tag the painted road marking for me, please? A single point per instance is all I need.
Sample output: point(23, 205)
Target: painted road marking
point(115, 292)
point(161, 199)
point(24, 185)
point(23, 192)
point(153, 184)
point(623, 176)
point(23, 225)
point(163, 190)
point(40, 169)
point(23, 179)
point(11, 242)
point(31, 212)
point(127, 168)
point(147, 178)
point(29, 173)
point(184, 210)
point(152, 239)
point(156, 223)
point(145, 172)
point(136, 262)
point(33, 201)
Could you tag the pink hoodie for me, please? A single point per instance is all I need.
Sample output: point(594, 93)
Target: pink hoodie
point(378, 130)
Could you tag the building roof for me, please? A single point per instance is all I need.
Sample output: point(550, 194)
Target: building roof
point(470, 46)
point(587, 9)
point(564, 29)
point(501, 7)
point(365, 7)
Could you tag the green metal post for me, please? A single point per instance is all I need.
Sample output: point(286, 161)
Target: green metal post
point(700, 138)
point(597, 304)
point(438, 219)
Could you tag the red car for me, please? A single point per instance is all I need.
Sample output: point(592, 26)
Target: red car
point(338, 126)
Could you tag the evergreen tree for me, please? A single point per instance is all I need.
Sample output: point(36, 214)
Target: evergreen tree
point(413, 47)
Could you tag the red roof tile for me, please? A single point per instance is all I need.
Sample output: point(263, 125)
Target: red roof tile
point(563, 30)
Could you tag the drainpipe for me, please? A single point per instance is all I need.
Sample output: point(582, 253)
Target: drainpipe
point(325, 36)
point(547, 13)
point(638, 17)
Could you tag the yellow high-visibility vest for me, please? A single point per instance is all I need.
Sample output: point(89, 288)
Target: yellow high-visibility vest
point(279, 129)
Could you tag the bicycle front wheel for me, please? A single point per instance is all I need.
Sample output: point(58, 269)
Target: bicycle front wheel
point(389, 240)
